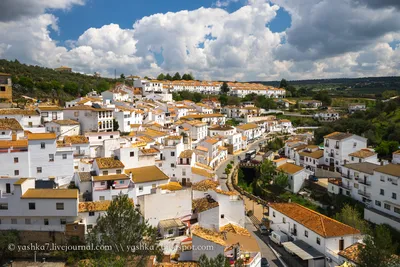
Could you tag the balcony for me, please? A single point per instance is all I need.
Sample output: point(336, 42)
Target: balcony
point(331, 155)
point(364, 182)
point(363, 193)
point(347, 176)
point(345, 186)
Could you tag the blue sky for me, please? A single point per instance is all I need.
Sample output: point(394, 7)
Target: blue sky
point(96, 13)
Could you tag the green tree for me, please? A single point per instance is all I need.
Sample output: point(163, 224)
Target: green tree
point(350, 216)
point(389, 93)
point(115, 125)
point(123, 227)
point(386, 148)
point(378, 249)
point(122, 76)
point(324, 97)
point(224, 88)
point(197, 97)
point(7, 238)
point(223, 99)
point(168, 77)
point(219, 261)
point(102, 86)
point(161, 77)
point(283, 83)
point(26, 82)
point(281, 179)
point(177, 77)
point(267, 171)
point(71, 88)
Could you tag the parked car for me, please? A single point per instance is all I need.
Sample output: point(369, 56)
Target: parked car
point(264, 262)
point(313, 178)
point(279, 237)
point(263, 229)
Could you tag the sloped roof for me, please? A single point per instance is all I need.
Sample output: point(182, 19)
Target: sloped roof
point(205, 185)
point(202, 172)
point(203, 204)
point(391, 169)
point(247, 126)
point(315, 154)
point(290, 168)
point(94, 206)
point(363, 153)
point(109, 163)
point(10, 124)
point(76, 139)
point(365, 167)
point(338, 135)
point(316, 222)
point(51, 193)
point(146, 174)
point(41, 136)
point(66, 122)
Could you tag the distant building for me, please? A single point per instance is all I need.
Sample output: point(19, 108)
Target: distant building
point(64, 69)
point(5, 86)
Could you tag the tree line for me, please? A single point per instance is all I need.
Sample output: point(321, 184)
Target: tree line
point(176, 77)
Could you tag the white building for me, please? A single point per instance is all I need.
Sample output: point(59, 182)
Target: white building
point(49, 113)
point(63, 127)
point(92, 119)
point(364, 155)
point(249, 130)
point(296, 175)
point(325, 235)
point(327, 116)
point(339, 145)
point(353, 107)
point(311, 157)
point(127, 118)
point(214, 118)
point(27, 118)
point(196, 130)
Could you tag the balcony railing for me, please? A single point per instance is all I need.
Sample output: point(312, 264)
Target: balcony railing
point(345, 186)
point(347, 176)
point(364, 182)
point(363, 193)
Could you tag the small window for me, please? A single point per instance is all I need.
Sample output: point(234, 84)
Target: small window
point(172, 165)
point(378, 203)
point(99, 137)
point(42, 145)
point(394, 195)
point(63, 221)
point(60, 206)
point(318, 241)
point(16, 160)
point(14, 221)
point(132, 154)
point(382, 192)
point(355, 144)
point(382, 178)
point(170, 231)
point(16, 172)
point(222, 216)
point(32, 206)
point(105, 172)
point(103, 183)
point(111, 136)
point(172, 154)
point(27, 221)
point(305, 233)
point(283, 219)
point(102, 198)
point(121, 182)
point(46, 221)
point(64, 156)
point(3, 206)
point(91, 213)
point(51, 157)
point(386, 206)
point(397, 210)
point(140, 188)
point(119, 171)
point(39, 169)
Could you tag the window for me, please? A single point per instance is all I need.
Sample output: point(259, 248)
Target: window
point(140, 188)
point(378, 203)
point(172, 154)
point(119, 171)
point(355, 144)
point(273, 214)
point(64, 156)
point(132, 154)
point(386, 206)
point(39, 169)
point(382, 178)
point(170, 231)
point(91, 213)
point(60, 206)
point(111, 136)
point(89, 227)
point(397, 210)
point(355, 185)
point(51, 157)
point(382, 193)
point(318, 241)
point(63, 221)
point(394, 195)
point(103, 183)
point(42, 145)
point(16, 172)
point(183, 172)
point(32, 205)
point(3, 206)
point(54, 115)
point(27, 221)
point(8, 188)
point(121, 182)
point(15, 160)
point(222, 216)
point(305, 233)
point(172, 165)
point(46, 221)
point(45, 114)
point(14, 221)
point(2, 88)
point(105, 172)
point(99, 137)
point(102, 198)
point(283, 219)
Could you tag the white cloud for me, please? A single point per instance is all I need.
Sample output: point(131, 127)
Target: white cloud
point(224, 3)
point(215, 44)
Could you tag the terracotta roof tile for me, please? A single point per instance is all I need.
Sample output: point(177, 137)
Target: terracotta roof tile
point(202, 172)
point(10, 124)
point(109, 163)
point(290, 168)
point(363, 153)
point(51, 193)
point(146, 174)
point(41, 136)
point(205, 185)
point(203, 204)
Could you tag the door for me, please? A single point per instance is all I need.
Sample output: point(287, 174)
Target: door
point(184, 181)
point(341, 244)
point(8, 188)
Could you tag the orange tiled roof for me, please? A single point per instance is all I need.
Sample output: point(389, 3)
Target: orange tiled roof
point(363, 153)
point(290, 168)
point(316, 222)
point(14, 144)
point(41, 136)
point(10, 124)
point(94, 206)
point(109, 163)
point(76, 139)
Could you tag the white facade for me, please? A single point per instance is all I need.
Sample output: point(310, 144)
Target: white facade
point(91, 119)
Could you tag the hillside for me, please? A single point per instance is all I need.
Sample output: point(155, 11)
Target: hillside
point(47, 84)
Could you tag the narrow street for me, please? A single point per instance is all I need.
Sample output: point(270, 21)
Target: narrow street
point(258, 209)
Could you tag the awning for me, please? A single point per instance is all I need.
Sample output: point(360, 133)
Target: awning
point(303, 250)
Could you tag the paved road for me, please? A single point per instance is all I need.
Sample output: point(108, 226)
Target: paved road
point(266, 252)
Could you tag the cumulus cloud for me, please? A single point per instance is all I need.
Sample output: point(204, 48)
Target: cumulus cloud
point(224, 3)
point(15, 9)
point(346, 38)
